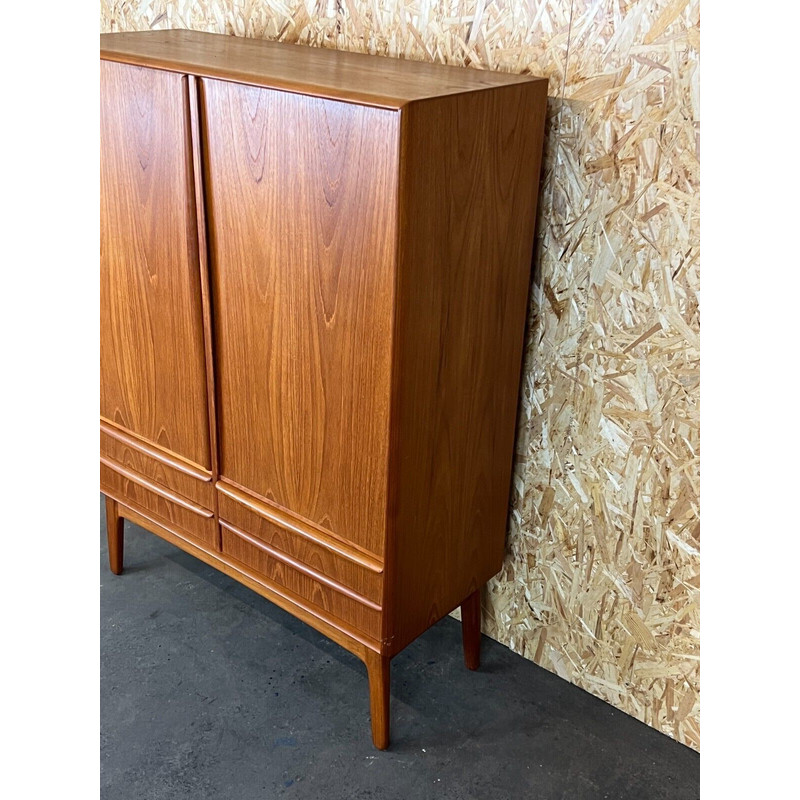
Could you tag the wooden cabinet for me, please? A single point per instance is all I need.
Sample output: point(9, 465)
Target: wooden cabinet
point(314, 278)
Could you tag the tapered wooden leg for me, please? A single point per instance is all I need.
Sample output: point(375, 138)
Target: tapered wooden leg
point(471, 629)
point(378, 673)
point(114, 531)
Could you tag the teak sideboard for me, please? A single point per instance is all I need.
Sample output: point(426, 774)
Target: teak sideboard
point(314, 279)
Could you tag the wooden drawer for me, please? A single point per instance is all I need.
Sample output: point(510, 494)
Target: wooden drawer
point(317, 589)
point(165, 469)
point(331, 574)
point(176, 513)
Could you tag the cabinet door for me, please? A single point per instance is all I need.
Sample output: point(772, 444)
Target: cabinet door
point(152, 368)
point(301, 198)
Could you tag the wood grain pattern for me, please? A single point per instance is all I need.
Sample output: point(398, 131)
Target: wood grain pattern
point(336, 630)
point(319, 576)
point(157, 466)
point(148, 449)
point(467, 205)
point(153, 379)
point(303, 230)
point(319, 591)
point(353, 290)
point(312, 552)
point(300, 526)
point(155, 489)
point(352, 77)
point(177, 513)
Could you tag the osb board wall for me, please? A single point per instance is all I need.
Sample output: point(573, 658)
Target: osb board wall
point(601, 581)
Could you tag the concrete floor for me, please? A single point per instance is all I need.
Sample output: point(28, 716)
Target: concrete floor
point(210, 692)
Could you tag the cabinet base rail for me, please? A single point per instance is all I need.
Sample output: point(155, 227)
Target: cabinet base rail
point(369, 651)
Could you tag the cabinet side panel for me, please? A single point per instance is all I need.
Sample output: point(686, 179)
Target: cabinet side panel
point(153, 378)
point(302, 201)
point(469, 184)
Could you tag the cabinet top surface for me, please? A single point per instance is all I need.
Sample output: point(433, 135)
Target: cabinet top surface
point(354, 77)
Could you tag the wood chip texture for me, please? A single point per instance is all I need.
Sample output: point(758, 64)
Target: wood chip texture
point(602, 575)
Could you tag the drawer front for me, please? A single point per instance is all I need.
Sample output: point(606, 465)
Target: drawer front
point(275, 567)
point(298, 541)
point(176, 513)
point(164, 469)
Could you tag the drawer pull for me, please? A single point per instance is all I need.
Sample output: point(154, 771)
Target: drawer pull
point(156, 489)
point(300, 567)
point(154, 452)
point(284, 520)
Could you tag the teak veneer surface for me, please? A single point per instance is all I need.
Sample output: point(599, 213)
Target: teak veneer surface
point(468, 205)
point(125, 451)
point(336, 630)
point(354, 77)
point(317, 554)
point(150, 281)
point(314, 283)
point(303, 287)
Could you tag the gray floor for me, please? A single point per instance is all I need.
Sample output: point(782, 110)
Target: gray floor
point(209, 691)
